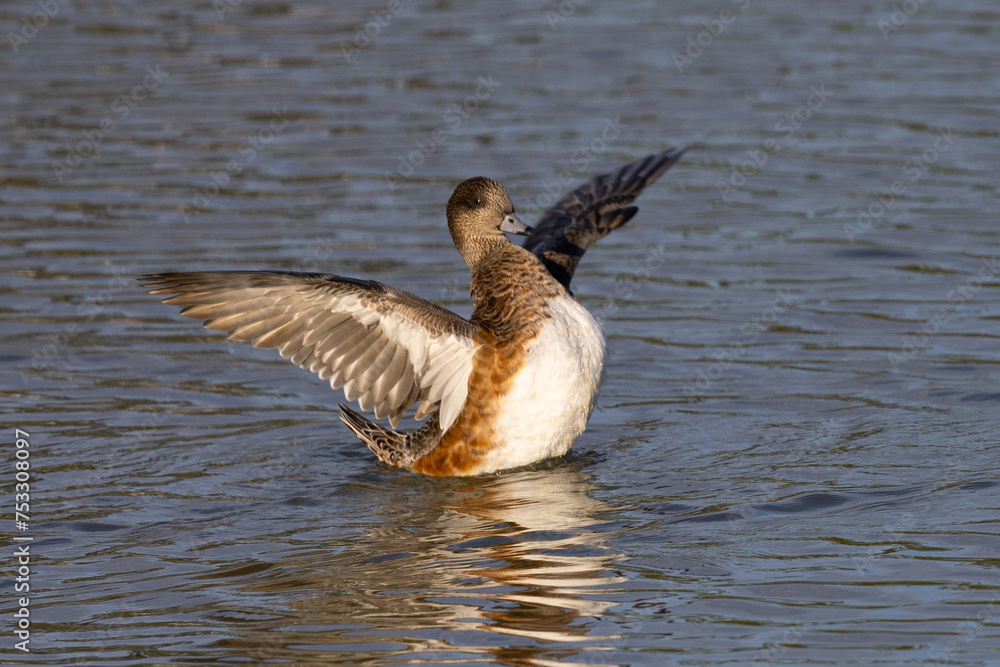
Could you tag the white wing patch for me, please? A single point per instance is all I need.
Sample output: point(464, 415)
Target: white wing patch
point(442, 366)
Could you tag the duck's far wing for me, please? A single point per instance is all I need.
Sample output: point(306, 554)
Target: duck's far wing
point(592, 211)
point(387, 348)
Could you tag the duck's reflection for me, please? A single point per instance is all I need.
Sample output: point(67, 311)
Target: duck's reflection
point(535, 535)
point(521, 556)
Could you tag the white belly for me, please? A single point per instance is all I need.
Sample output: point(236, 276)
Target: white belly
point(552, 397)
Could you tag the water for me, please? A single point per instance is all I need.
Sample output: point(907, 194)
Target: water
point(794, 460)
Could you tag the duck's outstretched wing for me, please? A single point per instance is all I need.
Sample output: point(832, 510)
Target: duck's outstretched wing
point(387, 348)
point(592, 211)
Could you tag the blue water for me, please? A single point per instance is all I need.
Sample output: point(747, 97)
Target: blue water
point(794, 460)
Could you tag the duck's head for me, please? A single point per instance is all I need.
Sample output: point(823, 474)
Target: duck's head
point(479, 213)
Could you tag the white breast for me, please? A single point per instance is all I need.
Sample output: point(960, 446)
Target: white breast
point(552, 397)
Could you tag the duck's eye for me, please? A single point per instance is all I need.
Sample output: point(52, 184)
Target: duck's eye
point(479, 202)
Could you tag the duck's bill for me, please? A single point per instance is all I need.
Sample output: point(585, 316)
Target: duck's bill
point(513, 225)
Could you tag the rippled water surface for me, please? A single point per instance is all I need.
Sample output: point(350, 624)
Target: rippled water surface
point(794, 459)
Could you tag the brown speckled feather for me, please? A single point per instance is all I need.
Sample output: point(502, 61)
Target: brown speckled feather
point(392, 447)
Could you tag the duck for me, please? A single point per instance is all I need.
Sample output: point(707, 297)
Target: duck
point(512, 385)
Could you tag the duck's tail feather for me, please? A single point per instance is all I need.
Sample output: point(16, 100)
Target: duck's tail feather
point(388, 445)
point(392, 447)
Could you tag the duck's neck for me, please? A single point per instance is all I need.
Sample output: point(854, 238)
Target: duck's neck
point(477, 251)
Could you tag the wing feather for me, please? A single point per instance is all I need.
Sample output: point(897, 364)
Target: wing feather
point(389, 369)
point(592, 211)
point(386, 348)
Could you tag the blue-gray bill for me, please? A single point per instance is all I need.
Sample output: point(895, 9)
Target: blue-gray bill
point(512, 224)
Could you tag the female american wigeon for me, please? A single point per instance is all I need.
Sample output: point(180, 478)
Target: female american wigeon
point(512, 385)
